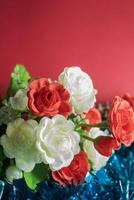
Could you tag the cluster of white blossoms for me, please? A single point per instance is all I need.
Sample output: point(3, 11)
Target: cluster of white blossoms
point(80, 86)
point(19, 142)
point(52, 141)
point(57, 141)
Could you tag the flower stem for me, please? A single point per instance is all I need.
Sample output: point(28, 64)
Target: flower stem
point(88, 138)
point(104, 124)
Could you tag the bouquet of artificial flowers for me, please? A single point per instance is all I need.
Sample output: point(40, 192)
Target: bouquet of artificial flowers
point(52, 129)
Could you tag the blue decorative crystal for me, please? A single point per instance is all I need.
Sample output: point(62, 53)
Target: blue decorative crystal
point(115, 181)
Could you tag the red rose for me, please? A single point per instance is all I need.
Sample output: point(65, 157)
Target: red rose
point(94, 117)
point(121, 121)
point(75, 172)
point(130, 99)
point(48, 99)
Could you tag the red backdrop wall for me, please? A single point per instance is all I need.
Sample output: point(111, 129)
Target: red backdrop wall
point(46, 35)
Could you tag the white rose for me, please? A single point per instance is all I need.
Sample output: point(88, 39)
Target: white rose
point(57, 141)
point(19, 101)
point(80, 87)
point(20, 143)
point(12, 172)
point(94, 156)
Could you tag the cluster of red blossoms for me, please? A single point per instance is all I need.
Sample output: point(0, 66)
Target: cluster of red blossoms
point(49, 99)
point(121, 124)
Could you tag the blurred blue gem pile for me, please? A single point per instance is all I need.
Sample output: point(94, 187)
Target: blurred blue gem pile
point(113, 182)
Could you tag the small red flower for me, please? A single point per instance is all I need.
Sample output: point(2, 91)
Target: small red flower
point(75, 172)
point(94, 117)
point(25, 116)
point(121, 121)
point(48, 99)
point(105, 144)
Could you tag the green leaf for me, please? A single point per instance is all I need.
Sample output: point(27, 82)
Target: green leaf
point(1, 165)
point(39, 174)
point(19, 79)
point(2, 156)
point(81, 132)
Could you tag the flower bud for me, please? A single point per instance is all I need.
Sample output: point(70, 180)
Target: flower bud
point(19, 101)
point(12, 172)
point(105, 145)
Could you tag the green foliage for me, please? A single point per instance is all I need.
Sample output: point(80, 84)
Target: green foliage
point(2, 157)
point(3, 128)
point(82, 132)
point(39, 174)
point(7, 114)
point(19, 79)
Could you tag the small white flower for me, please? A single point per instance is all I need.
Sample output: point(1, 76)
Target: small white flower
point(19, 101)
point(20, 143)
point(57, 141)
point(94, 156)
point(80, 87)
point(12, 172)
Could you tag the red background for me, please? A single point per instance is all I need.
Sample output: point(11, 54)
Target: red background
point(46, 35)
